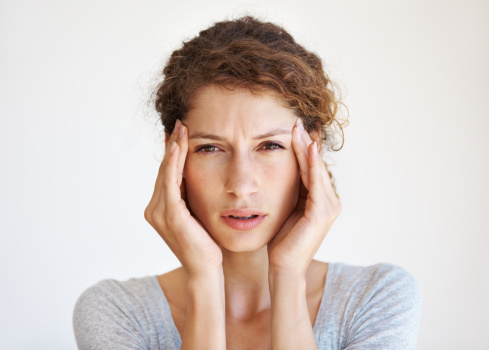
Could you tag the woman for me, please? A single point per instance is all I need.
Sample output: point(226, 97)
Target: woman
point(244, 200)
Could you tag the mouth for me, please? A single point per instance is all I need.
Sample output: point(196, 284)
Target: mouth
point(243, 219)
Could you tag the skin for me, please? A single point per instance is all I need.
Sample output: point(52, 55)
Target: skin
point(243, 289)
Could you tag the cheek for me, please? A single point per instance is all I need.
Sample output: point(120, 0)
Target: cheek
point(282, 178)
point(199, 186)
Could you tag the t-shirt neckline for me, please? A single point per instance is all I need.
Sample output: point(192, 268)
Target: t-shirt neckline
point(319, 317)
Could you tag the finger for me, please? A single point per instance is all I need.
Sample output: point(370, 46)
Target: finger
point(316, 181)
point(300, 152)
point(173, 138)
point(171, 194)
point(333, 202)
point(158, 194)
point(321, 194)
point(306, 138)
point(158, 190)
point(156, 197)
point(183, 144)
point(161, 171)
point(328, 185)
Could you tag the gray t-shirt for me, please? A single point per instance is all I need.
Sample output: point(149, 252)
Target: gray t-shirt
point(373, 307)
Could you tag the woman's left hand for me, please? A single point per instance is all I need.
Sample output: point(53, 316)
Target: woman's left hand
point(295, 245)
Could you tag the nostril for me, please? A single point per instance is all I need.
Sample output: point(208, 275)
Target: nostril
point(241, 178)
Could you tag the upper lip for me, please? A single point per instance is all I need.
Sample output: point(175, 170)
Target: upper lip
point(242, 212)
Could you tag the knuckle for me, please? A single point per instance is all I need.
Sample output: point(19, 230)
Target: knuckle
point(167, 183)
point(338, 208)
point(148, 214)
point(162, 166)
point(158, 218)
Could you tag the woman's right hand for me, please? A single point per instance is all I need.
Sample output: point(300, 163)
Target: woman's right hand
point(167, 212)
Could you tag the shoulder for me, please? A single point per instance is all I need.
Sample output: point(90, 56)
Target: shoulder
point(110, 297)
point(377, 287)
point(120, 314)
point(369, 280)
point(128, 291)
point(377, 305)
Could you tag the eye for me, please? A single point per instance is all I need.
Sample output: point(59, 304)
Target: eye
point(272, 146)
point(207, 149)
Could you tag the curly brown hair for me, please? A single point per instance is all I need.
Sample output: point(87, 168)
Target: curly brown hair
point(254, 55)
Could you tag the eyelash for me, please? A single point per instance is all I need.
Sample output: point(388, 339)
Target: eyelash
point(274, 144)
point(269, 146)
point(204, 149)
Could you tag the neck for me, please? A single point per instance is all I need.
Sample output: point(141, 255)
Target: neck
point(246, 283)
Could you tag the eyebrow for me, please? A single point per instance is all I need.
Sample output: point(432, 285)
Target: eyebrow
point(271, 133)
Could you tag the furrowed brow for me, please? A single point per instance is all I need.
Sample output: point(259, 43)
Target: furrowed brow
point(271, 133)
point(206, 136)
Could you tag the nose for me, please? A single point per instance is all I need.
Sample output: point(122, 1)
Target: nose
point(241, 179)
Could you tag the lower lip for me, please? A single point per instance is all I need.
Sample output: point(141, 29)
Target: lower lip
point(243, 224)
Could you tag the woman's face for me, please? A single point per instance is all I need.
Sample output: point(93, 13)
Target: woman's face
point(241, 173)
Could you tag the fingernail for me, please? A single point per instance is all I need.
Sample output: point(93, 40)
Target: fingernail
point(315, 148)
point(181, 132)
point(173, 146)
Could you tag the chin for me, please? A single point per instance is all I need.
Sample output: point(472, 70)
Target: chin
point(243, 241)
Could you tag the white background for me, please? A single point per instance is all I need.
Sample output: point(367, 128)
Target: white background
point(80, 151)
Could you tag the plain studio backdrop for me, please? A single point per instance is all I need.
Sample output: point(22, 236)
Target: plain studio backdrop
point(80, 149)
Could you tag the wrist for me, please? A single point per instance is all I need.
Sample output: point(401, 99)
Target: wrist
point(206, 289)
point(285, 273)
point(205, 320)
point(205, 276)
point(290, 280)
point(203, 273)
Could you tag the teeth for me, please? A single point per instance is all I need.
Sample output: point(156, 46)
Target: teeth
point(243, 217)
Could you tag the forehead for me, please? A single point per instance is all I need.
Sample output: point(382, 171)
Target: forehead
point(218, 108)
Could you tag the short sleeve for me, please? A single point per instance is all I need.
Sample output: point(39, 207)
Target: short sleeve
point(103, 319)
point(388, 313)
